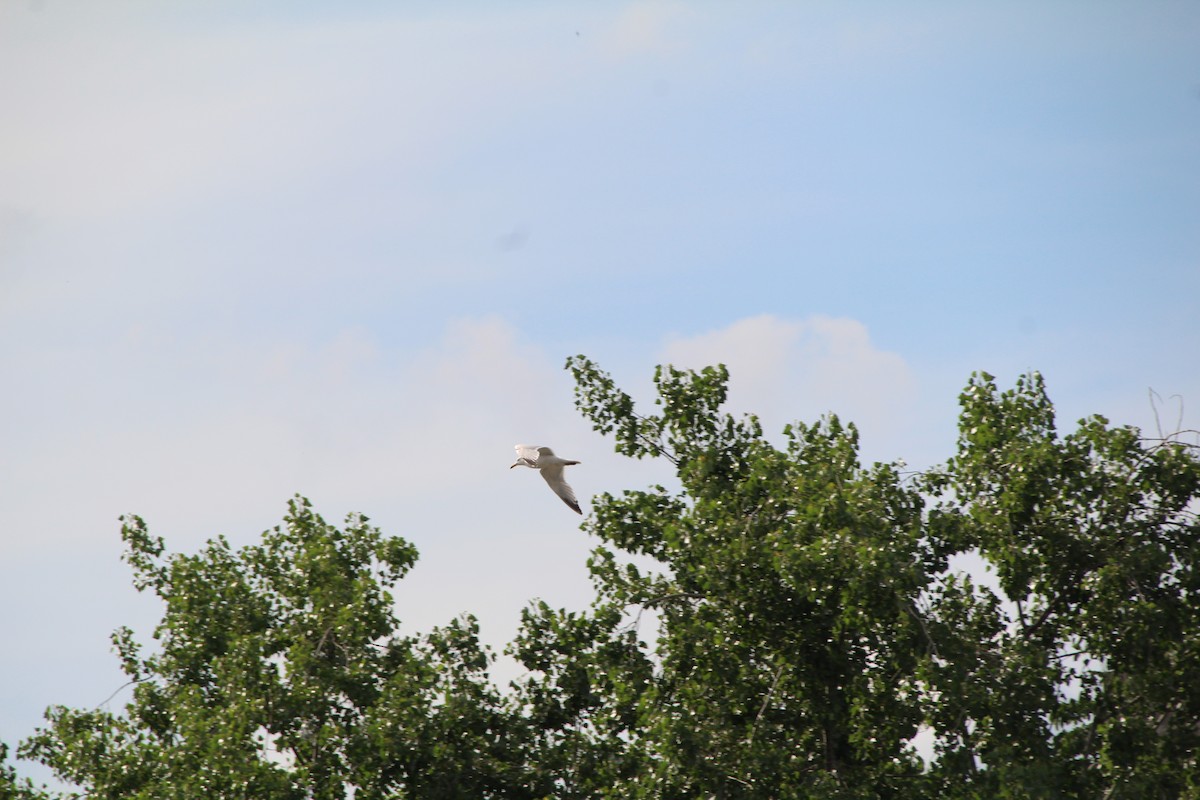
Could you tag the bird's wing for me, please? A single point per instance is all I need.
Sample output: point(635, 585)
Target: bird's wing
point(545, 451)
point(528, 452)
point(554, 477)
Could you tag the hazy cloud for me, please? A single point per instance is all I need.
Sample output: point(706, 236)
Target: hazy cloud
point(785, 370)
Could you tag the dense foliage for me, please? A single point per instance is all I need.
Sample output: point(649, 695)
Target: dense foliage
point(807, 629)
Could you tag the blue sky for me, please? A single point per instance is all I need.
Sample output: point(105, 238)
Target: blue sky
point(343, 250)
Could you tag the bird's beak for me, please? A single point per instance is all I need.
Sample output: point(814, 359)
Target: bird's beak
point(515, 465)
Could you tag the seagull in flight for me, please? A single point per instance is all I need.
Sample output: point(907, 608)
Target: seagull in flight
point(551, 467)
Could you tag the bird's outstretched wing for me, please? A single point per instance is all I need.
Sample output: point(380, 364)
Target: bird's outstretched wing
point(554, 477)
point(528, 453)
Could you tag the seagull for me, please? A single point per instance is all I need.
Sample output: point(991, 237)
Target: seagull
point(551, 467)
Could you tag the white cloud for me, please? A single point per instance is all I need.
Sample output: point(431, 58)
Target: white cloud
point(786, 370)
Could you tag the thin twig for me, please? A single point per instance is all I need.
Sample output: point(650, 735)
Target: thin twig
point(1154, 408)
point(119, 689)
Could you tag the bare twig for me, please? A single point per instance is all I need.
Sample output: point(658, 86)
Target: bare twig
point(1155, 399)
point(119, 689)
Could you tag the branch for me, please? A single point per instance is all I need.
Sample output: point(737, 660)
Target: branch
point(674, 596)
point(1171, 438)
point(763, 708)
point(1042, 617)
point(655, 445)
point(1157, 422)
point(931, 645)
point(118, 690)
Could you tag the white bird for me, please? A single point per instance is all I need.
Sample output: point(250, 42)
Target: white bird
point(551, 467)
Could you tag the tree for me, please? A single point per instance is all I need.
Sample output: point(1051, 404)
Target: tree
point(11, 786)
point(788, 601)
point(279, 674)
point(1088, 683)
point(808, 628)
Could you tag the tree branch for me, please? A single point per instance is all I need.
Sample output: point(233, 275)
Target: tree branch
point(118, 690)
point(674, 596)
point(762, 709)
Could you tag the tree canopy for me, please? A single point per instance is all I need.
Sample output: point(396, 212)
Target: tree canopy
point(809, 631)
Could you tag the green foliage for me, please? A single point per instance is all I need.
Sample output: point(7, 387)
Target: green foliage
point(806, 628)
point(13, 787)
point(809, 627)
point(1095, 540)
point(787, 601)
point(278, 674)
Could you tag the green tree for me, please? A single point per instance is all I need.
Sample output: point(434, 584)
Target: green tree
point(788, 603)
point(809, 626)
point(279, 674)
point(802, 620)
point(13, 787)
point(1088, 683)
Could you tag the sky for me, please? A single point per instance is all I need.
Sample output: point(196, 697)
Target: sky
point(343, 250)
